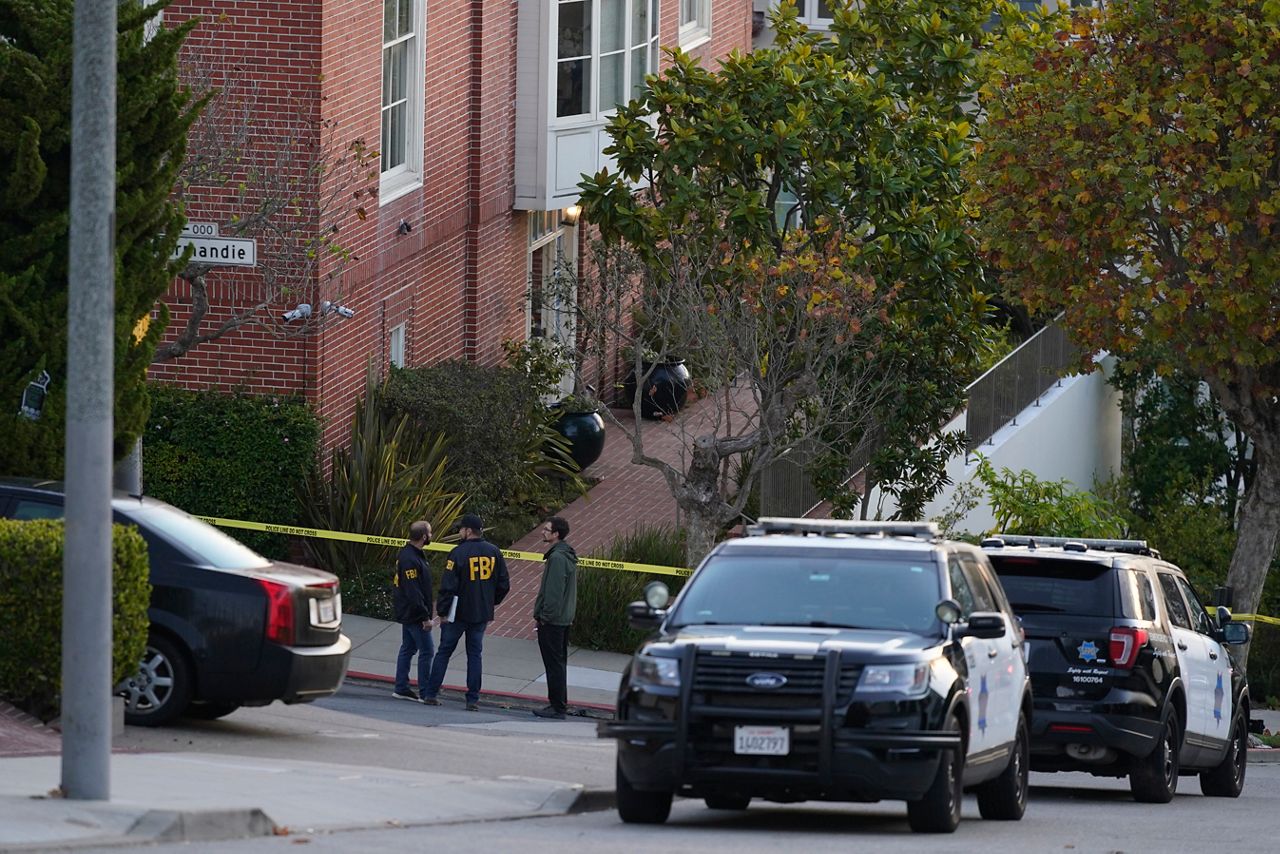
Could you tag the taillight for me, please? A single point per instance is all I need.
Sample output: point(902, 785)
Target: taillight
point(1126, 642)
point(280, 618)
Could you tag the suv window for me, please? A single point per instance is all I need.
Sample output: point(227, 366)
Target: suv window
point(961, 590)
point(801, 588)
point(1199, 616)
point(25, 509)
point(1136, 593)
point(1173, 601)
point(1057, 586)
point(984, 598)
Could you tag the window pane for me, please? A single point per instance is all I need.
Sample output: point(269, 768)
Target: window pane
point(639, 21)
point(394, 73)
point(824, 8)
point(388, 20)
point(1173, 602)
point(613, 25)
point(612, 82)
point(575, 29)
point(393, 136)
point(688, 12)
point(406, 17)
point(639, 68)
point(573, 87)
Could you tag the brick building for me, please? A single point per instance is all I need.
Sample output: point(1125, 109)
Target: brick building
point(485, 113)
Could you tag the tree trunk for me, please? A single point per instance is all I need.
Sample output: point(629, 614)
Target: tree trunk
point(699, 499)
point(702, 531)
point(1257, 534)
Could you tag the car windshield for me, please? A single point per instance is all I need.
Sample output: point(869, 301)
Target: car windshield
point(210, 546)
point(824, 590)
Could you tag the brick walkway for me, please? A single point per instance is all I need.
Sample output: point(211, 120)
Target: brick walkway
point(23, 735)
point(628, 495)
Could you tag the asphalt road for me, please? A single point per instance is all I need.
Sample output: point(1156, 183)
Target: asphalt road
point(364, 725)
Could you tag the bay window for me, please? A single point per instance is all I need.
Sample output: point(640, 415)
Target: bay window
point(604, 49)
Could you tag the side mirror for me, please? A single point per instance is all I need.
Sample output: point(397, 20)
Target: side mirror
point(985, 624)
point(641, 616)
point(1235, 634)
point(948, 611)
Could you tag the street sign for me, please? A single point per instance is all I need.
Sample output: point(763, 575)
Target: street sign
point(200, 229)
point(219, 251)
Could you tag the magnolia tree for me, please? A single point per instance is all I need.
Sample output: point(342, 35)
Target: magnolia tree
point(280, 175)
point(1129, 177)
point(778, 222)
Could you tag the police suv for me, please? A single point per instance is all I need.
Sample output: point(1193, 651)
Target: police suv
point(1130, 673)
point(828, 660)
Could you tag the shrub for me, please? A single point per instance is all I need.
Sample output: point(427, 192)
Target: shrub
point(1022, 504)
point(31, 610)
point(230, 455)
point(389, 477)
point(603, 594)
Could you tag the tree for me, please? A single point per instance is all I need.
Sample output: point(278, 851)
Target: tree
point(279, 174)
point(783, 239)
point(154, 114)
point(1129, 177)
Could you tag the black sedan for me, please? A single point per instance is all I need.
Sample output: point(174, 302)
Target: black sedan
point(229, 627)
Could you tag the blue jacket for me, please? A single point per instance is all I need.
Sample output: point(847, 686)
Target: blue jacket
point(476, 573)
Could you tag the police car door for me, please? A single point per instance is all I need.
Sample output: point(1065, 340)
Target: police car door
point(1217, 708)
point(1006, 675)
point(1193, 658)
point(978, 655)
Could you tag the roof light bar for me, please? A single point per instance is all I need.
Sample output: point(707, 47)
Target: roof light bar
point(828, 527)
point(1128, 546)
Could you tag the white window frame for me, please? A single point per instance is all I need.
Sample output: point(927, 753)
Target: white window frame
point(406, 176)
point(397, 345)
point(695, 23)
point(631, 43)
point(810, 17)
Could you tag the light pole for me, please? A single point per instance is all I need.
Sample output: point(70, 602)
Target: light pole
point(86, 570)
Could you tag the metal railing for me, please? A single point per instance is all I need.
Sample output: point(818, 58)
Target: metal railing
point(1016, 382)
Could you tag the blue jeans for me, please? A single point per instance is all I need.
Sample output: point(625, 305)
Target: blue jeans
point(414, 639)
point(450, 634)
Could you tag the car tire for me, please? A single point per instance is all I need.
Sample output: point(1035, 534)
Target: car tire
point(635, 807)
point(1227, 779)
point(1153, 779)
point(1005, 797)
point(160, 690)
point(939, 810)
point(728, 802)
point(210, 711)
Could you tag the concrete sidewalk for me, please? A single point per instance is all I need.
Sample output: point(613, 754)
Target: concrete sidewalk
point(512, 666)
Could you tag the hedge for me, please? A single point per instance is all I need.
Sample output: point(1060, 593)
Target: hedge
point(230, 455)
point(31, 609)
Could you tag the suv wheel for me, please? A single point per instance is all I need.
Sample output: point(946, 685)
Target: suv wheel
point(640, 807)
point(1227, 780)
point(160, 690)
point(939, 810)
point(1005, 797)
point(1154, 778)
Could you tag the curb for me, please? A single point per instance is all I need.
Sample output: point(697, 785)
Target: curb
point(1264, 757)
point(593, 800)
point(160, 826)
point(531, 699)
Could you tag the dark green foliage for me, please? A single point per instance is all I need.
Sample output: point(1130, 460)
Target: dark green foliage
point(603, 594)
point(31, 610)
point(231, 455)
point(1024, 504)
point(153, 116)
point(504, 453)
point(391, 475)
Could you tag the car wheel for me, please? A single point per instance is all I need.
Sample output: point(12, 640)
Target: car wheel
point(210, 711)
point(636, 807)
point(1005, 797)
point(1154, 778)
point(727, 802)
point(939, 810)
point(1227, 780)
point(160, 690)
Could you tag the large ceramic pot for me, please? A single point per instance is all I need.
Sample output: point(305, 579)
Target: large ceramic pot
point(585, 432)
point(665, 390)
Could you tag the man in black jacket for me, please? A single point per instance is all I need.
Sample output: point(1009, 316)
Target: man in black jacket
point(475, 576)
point(412, 602)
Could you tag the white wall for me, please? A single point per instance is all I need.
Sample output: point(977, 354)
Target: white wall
point(1071, 432)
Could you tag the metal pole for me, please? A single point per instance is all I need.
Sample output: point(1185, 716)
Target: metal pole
point(86, 570)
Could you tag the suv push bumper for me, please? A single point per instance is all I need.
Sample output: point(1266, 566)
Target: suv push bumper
point(861, 765)
point(1051, 731)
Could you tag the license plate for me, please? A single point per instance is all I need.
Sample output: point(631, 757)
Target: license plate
point(324, 611)
point(762, 740)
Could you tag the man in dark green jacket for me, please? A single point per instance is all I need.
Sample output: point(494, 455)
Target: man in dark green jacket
point(553, 612)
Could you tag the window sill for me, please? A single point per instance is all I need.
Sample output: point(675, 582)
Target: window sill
point(694, 38)
point(394, 186)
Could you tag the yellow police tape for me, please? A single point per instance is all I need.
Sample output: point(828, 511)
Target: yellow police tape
point(511, 554)
point(1260, 618)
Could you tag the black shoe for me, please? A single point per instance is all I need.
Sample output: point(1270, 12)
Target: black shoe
point(430, 701)
point(549, 712)
point(473, 707)
point(406, 695)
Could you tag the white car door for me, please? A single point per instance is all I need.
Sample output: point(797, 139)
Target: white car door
point(978, 655)
point(1004, 677)
point(1193, 657)
point(1217, 711)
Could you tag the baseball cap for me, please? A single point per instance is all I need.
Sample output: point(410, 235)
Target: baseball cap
point(469, 520)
